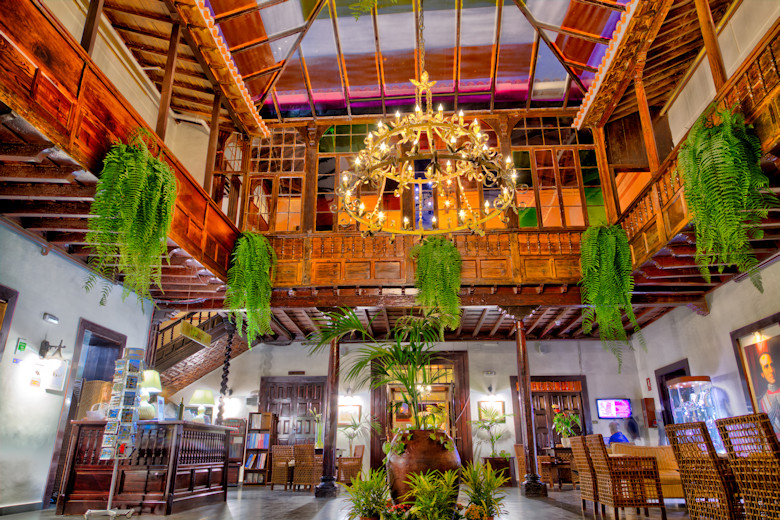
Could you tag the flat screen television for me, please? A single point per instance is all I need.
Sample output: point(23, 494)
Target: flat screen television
point(614, 408)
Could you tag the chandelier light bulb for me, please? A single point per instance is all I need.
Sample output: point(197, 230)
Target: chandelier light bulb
point(440, 108)
point(397, 115)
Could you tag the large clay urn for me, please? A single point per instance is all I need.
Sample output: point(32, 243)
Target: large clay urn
point(421, 454)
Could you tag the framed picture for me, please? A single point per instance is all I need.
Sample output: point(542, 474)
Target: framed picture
point(757, 348)
point(347, 412)
point(402, 412)
point(498, 406)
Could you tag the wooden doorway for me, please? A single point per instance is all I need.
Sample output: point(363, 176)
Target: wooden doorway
point(294, 399)
point(548, 393)
point(662, 375)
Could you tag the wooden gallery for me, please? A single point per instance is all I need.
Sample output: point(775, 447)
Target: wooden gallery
point(390, 259)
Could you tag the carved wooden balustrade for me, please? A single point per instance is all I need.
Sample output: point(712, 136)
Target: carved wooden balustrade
point(173, 346)
point(176, 466)
point(660, 211)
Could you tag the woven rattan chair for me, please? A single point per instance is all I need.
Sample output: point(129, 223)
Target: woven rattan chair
point(349, 467)
point(308, 470)
point(544, 466)
point(754, 457)
point(521, 468)
point(625, 481)
point(710, 489)
point(565, 456)
point(280, 465)
point(587, 475)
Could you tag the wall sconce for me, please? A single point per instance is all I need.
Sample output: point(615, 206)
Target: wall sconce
point(490, 389)
point(49, 351)
point(51, 318)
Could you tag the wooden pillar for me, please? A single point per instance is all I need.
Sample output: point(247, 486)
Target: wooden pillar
point(532, 487)
point(710, 38)
point(211, 154)
point(311, 166)
point(92, 25)
point(327, 487)
point(606, 178)
point(647, 123)
point(235, 190)
point(246, 164)
point(167, 84)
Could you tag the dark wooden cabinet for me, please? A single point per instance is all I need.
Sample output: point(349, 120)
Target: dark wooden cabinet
point(176, 465)
point(237, 442)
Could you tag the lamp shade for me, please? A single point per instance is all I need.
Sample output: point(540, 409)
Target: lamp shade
point(202, 398)
point(151, 381)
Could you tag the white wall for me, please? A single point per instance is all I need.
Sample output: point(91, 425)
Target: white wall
point(741, 34)
point(705, 340)
point(29, 415)
point(188, 141)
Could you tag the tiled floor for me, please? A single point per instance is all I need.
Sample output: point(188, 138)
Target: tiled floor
point(260, 503)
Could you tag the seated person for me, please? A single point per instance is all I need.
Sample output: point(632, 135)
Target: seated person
point(616, 434)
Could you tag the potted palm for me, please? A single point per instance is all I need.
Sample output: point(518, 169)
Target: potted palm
point(482, 484)
point(433, 494)
point(358, 429)
point(563, 423)
point(491, 427)
point(367, 498)
point(407, 359)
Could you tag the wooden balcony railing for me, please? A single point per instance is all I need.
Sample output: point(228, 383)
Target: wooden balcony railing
point(659, 212)
point(172, 346)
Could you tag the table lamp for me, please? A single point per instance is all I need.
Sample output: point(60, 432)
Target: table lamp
point(202, 398)
point(150, 383)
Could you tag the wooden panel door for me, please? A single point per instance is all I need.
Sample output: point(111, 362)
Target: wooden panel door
point(291, 398)
point(542, 419)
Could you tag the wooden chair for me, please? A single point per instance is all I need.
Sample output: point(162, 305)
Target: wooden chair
point(521, 468)
point(349, 467)
point(308, 471)
point(754, 457)
point(625, 481)
point(544, 466)
point(711, 492)
point(280, 465)
point(587, 475)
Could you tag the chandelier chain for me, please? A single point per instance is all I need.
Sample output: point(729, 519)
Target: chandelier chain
point(421, 36)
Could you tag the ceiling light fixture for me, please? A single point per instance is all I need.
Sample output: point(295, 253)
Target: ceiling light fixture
point(449, 151)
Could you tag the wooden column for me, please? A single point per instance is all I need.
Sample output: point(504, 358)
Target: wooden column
point(711, 43)
point(92, 25)
point(327, 487)
point(167, 84)
point(606, 178)
point(246, 164)
point(532, 487)
point(647, 123)
point(211, 154)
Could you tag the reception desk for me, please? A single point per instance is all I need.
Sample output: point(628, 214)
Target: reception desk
point(177, 465)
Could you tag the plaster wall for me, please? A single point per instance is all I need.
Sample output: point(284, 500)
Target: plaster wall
point(705, 341)
point(187, 140)
point(751, 21)
point(29, 415)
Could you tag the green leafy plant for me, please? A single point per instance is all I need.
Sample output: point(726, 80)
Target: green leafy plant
point(405, 359)
point(564, 422)
point(492, 426)
point(607, 284)
point(438, 279)
point(359, 429)
point(482, 487)
point(368, 497)
point(725, 190)
point(250, 283)
point(434, 494)
point(133, 212)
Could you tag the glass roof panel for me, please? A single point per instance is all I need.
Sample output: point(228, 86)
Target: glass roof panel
point(359, 49)
point(477, 34)
point(321, 57)
point(550, 78)
point(397, 42)
point(548, 11)
point(514, 60)
point(291, 89)
point(440, 42)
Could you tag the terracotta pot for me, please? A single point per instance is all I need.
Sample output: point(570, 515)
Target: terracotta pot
point(420, 455)
point(501, 466)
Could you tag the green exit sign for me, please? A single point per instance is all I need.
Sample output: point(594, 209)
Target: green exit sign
point(21, 345)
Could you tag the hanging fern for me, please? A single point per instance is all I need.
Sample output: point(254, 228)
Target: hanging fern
point(605, 263)
point(361, 7)
point(249, 285)
point(725, 190)
point(133, 211)
point(438, 279)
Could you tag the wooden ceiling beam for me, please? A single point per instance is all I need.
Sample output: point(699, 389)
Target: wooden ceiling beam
point(295, 329)
point(310, 322)
point(25, 152)
point(554, 323)
point(29, 208)
point(157, 69)
point(497, 326)
point(254, 44)
point(135, 11)
point(607, 4)
point(243, 10)
point(140, 47)
point(656, 273)
point(55, 224)
point(36, 173)
point(532, 73)
point(46, 191)
point(148, 33)
point(263, 72)
point(66, 238)
point(369, 328)
point(582, 35)
point(481, 321)
point(536, 321)
point(566, 328)
point(92, 25)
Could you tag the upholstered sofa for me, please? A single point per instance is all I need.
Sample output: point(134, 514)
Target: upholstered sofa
point(671, 483)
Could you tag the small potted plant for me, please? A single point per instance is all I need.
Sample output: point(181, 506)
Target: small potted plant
point(367, 497)
point(319, 438)
point(563, 423)
point(359, 429)
point(482, 484)
point(397, 511)
point(435, 494)
point(491, 425)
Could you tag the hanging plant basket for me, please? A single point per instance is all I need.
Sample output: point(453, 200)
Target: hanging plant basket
point(725, 190)
point(248, 296)
point(133, 212)
point(437, 278)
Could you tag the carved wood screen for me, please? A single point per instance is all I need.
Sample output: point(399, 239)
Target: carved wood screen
point(293, 399)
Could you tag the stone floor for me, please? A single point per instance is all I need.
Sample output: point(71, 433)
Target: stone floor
point(260, 503)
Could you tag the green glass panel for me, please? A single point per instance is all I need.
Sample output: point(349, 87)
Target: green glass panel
point(590, 177)
point(326, 144)
point(594, 196)
point(521, 158)
point(527, 218)
point(343, 129)
point(588, 158)
point(343, 143)
point(597, 216)
point(361, 130)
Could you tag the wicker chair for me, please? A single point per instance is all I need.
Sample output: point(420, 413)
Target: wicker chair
point(349, 467)
point(544, 466)
point(521, 468)
point(710, 489)
point(587, 475)
point(754, 457)
point(308, 470)
point(280, 465)
point(565, 456)
point(625, 481)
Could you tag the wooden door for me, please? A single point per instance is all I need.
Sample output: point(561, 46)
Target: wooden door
point(542, 419)
point(294, 399)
